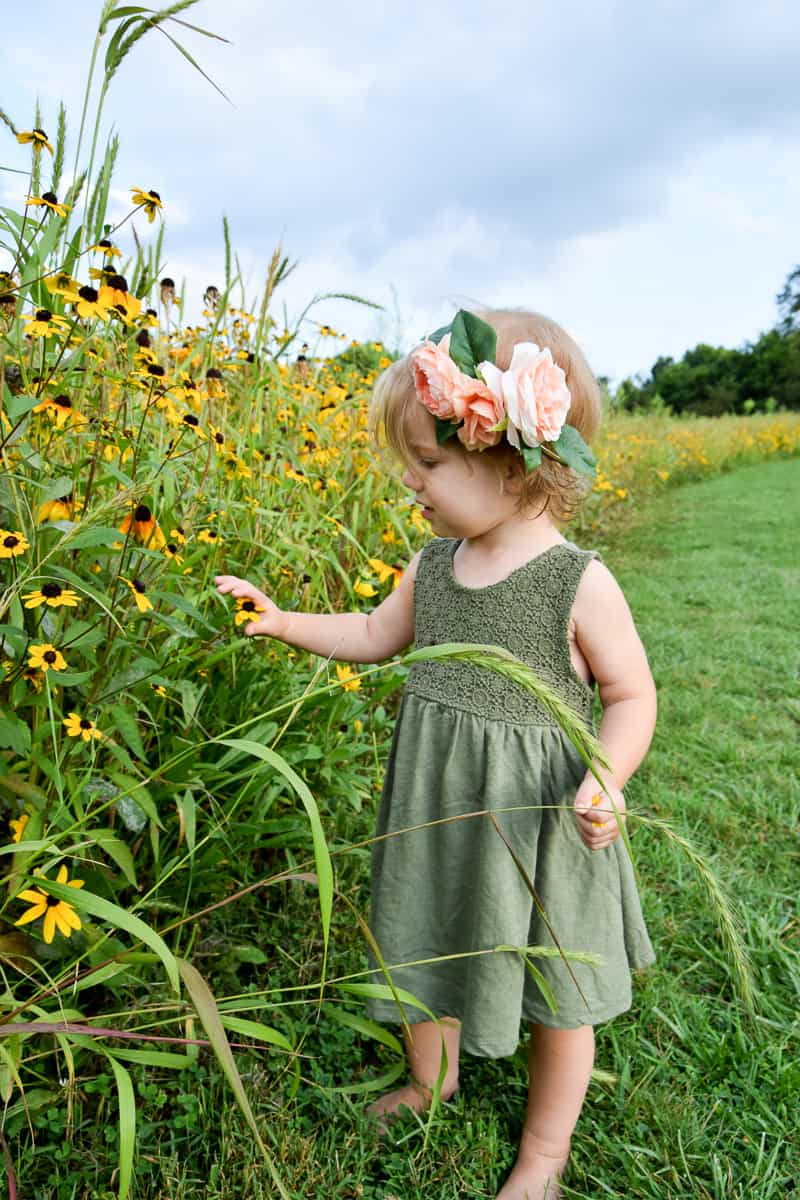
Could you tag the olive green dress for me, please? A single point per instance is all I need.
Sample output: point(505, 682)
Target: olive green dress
point(468, 739)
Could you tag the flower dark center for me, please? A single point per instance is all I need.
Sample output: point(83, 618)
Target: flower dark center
point(52, 901)
point(88, 293)
point(248, 605)
point(173, 549)
point(49, 656)
point(10, 541)
point(142, 513)
point(190, 419)
point(156, 371)
point(219, 439)
point(137, 583)
point(63, 401)
point(85, 724)
point(40, 133)
point(166, 282)
point(51, 590)
point(118, 282)
point(213, 373)
point(43, 314)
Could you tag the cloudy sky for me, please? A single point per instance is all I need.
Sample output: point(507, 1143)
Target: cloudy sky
point(629, 167)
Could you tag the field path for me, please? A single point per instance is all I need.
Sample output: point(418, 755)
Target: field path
point(712, 575)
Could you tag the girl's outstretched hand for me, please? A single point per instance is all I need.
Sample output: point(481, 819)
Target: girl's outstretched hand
point(597, 824)
point(271, 621)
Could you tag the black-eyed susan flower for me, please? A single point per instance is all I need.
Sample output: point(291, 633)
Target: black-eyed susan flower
point(191, 420)
point(364, 589)
point(384, 571)
point(60, 509)
point(48, 200)
point(58, 914)
point(143, 601)
point(171, 552)
point(144, 527)
point(210, 536)
point(62, 284)
point(104, 246)
point(12, 543)
point(60, 408)
point(89, 304)
point(149, 201)
point(44, 324)
point(347, 677)
point(114, 295)
point(37, 139)
point(77, 726)
point(178, 535)
point(17, 825)
point(45, 657)
point(52, 594)
point(245, 609)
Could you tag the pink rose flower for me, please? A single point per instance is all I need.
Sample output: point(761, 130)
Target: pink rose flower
point(436, 378)
point(483, 411)
point(533, 392)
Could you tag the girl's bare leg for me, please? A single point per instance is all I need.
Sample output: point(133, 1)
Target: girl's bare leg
point(560, 1063)
point(424, 1051)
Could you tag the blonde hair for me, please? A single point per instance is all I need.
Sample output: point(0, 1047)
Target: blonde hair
point(550, 486)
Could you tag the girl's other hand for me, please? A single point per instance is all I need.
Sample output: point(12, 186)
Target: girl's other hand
point(597, 824)
point(269, 623)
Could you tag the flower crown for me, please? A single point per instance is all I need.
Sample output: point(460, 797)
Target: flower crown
point(456, 378)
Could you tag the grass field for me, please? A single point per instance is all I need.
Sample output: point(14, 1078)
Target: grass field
point(703, 1100)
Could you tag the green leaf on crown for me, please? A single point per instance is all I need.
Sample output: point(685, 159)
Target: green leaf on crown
point(445, 430)
point(532, 456)
point(438, 334)
point(472, 341)
point(573, 452)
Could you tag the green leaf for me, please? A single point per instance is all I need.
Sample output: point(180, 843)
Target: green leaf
point(532, 456)
point(438, 334)
point(321, 854)
point(127, 1124)
point(107, 840)
point(123, 720)
point(382, 991)
point(543, 985)
point(261, 1033)
point(363, 1025)
point(445, 430)
point(137, 792)
point(208, 1013)
point(98, 906)
point(574, 453)
point(17, 406)
point(96, 535)
point(472, 341)
point(166, 1059)
point(14, 735)
point(15, 635)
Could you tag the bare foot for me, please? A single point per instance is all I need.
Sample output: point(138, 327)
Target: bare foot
point(413, 1095)
point(534, 1179)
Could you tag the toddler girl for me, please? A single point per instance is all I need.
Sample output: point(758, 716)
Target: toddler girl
point(489, 418)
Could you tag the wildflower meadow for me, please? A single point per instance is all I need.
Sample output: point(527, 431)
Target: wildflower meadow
point(186, 813)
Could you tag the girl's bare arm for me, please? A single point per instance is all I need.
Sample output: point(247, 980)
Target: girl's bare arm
point(353, 637)
point(607, 637)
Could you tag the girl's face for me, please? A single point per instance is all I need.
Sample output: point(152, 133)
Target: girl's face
point(459, 491)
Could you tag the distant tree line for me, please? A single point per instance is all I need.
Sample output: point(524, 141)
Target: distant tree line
point(762, 376)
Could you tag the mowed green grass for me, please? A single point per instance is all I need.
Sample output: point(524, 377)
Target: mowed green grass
point(705, 1099)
